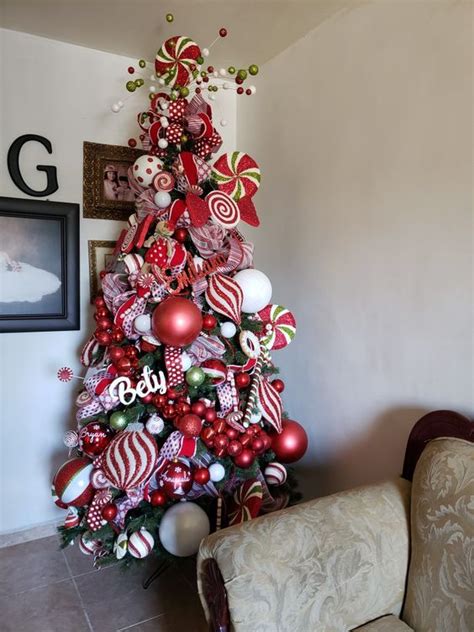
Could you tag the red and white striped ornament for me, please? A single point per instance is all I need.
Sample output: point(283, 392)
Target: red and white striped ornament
point(275, 473)
point(225, 296)
point(72, 482)
point(223, 209)
point(130, 458)
point(164, 181)
point(140, 543)
point(176, 60)
point(72, 518)
point(88, 545)
point(270, 404)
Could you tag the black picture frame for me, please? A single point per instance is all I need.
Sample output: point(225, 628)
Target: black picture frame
point(65, 238)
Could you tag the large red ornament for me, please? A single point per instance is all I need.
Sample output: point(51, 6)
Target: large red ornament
point(291, 443)
point(176, 480)
point(190, 425)
point(94, 438)
point(72, 482)
point(177, 321)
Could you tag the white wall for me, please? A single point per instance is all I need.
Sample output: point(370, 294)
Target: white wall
point(363, 131)
point(62, 92)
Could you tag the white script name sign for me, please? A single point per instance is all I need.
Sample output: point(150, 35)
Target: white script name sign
point(149, 383)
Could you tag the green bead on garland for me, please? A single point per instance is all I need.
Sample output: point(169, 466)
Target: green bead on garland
point(253, 69)
point(195, 376)
point(242, 74)
point(142, 63)
point(231, 70)
point(169, 18)
point(130, 85)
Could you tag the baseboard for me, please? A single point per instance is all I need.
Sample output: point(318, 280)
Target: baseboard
point(26, 535)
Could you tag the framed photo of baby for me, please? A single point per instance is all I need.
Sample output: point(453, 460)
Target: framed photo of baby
point(106, 188)
point(39, 265)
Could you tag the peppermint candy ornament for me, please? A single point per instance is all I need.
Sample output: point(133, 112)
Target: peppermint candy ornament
point(279, 326)
point(225, 296)
point(140, 543)
point(176, 60)
point(223, 209)
point(129, 459)
point(246, 502)
point(164, 181)
point(87, 545)
point(275, 473)
point(236, 174)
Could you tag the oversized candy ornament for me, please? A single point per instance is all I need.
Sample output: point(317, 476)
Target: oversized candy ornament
point(256, 288)
point(130, 458)
point(182, 528)
point(176, 60)
point(236, 174)
point(177, 321)
point(145, 168)
point(72, 482)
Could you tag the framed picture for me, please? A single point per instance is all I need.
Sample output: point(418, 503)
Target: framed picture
point(39, 265)
point(106, 190)
point(100, 258)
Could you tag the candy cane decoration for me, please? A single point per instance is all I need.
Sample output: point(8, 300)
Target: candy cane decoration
point(253, 394)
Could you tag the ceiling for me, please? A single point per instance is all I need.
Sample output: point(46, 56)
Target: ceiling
point(257, 29)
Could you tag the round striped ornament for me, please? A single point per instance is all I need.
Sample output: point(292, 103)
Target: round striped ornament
point(275, 473)
point(130, 458)
point(87, 544)
point(140, 543)
point(176, 61)
point(278, 326)
point(225, 296)
point(72, 482)
point(72, 518)
point(236, 174)
point(223, 209)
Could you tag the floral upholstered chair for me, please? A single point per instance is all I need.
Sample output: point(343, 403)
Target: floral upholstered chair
point(389, 557)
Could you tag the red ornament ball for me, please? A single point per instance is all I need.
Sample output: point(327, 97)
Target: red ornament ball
point(232, 433)
point(209, 322)
point(99, 301)
point(190, 425)
point(220, 425)
point(240, 90)
point(147, 399)
point(132, 142)
point(180, 234)
point(124, 363)
point(172, 393)
point(169, 411)
point(103, 338)
point(115, 353)
point(158, 498)
point(242, 380)
point(234, 448)
point(223, 32)
point(210, 415)
point(94, 438)
point(176, 480)
point(221, 441)
point(278, 385)
point(183, 408)
point(198, 408)
point(104, 323)
point(117, 334)
point(201, 475)
point(109, 511)
point(176, 321)
point(292, 442)
point(245, 459)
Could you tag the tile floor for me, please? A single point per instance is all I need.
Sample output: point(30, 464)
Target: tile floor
point(46, 589)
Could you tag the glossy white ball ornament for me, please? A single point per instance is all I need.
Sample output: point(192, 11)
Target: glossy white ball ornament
point(182, 528)
point(162, 143)
point(120, 104)
point(216, 472)
point(152, 89)
point(145, 168)
point(205, 52)
point(253, 89)
point(115, 107)
point(161, 81)
point(256, 288)
point(142, 324)
point(255, 418)
point(186, 361)
point(162, 199)
point(222, 72)
point(228, 330)
point(223, 123)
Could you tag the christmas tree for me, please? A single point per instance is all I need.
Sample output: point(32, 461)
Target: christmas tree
point(180, 425)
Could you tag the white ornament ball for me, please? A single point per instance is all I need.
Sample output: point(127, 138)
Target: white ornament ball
point(275, 473)
point(182, 528)
point(222, 72)
point(140, 543)
point(115, 107)
point(164, 121)
point(226, 85)
point(120, 104)
point(186, 361)
point(256, 288)
point(162, 199)
point(216, 472)
point(142, 324)
point(205, 52)
point(223, 123)
point(253, 89)
point(161, 81)
point(152, 89)
point(163, 102)
point(121, 545)
point(155, 424)
point(228, 329)
point(145, 169)
point(255, 418)
point(162, 143)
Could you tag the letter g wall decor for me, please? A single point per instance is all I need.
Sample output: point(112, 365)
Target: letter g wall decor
point(13, 162)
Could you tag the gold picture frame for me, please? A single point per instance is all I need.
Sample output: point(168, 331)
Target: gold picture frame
point(106, 190)
point(99, 253)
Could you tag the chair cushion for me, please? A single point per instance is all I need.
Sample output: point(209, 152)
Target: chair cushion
point(440, 588)
point(385, 624)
